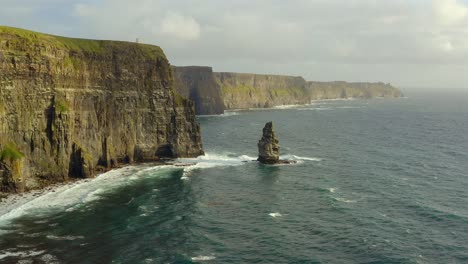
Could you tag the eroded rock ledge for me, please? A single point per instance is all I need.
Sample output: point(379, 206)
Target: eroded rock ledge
point(72, 107)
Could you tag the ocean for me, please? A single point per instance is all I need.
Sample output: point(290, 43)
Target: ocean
point(376, 181)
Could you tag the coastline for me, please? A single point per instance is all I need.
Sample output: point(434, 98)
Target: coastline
point(293, 106)
point(11, 202)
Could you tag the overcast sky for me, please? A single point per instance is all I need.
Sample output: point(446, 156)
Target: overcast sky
point(422, 43)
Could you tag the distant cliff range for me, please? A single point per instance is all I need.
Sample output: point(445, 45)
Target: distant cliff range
point(214, 92)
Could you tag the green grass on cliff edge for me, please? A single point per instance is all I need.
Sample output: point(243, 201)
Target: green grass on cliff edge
point(10, 152)
point(80, 45)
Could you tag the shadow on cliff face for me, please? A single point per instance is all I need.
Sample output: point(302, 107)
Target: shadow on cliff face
point(49, 113)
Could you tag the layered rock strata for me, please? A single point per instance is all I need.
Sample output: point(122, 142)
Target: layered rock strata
point(72, 107)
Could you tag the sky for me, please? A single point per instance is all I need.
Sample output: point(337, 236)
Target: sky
point(409, 43)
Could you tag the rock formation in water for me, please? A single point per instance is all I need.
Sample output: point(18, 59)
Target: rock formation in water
point(268, 146)
point(72, 107)
point(199, 84)
point(212, 92)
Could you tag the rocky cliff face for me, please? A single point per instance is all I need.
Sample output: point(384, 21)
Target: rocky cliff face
point(199, 85)
point(341, 90)
point(243, 90)
point(72, 107)
point(214, 92)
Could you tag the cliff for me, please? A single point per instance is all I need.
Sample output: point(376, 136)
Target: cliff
point(243, 90)
point(214, 92)
point(342, 90)
point(72, 107)
point(199, 84)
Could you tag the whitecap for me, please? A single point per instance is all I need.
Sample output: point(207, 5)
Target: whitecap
point(23, 254)
point(274, 215)
point(332, 190)
point(299, 158)
point(343, 200)
point(68, 238)
point(203, 258)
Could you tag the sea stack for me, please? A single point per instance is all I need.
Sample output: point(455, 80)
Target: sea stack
point(268, 146)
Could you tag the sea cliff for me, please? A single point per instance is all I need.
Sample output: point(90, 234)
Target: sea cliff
point(214, 92)
point(72, 107)
point(343, 90)
point(199, 84)
point(244, 90)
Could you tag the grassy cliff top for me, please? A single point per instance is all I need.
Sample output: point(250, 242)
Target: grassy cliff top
point(89, 46)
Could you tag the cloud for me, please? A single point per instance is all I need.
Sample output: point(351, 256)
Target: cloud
point(389, 40)
point(181, 27)
point(450, 12)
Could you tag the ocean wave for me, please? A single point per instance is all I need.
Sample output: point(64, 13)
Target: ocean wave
point(288, 106)
point(315, 109)
point(333, 100)
point(70, 197)
point(65, 238)
point(343, 200)
point(211, 160)
point(225, 114)
point(73, 196)
point(274, 215)
point(23, 254)
point(299, 158)
point(203, 258)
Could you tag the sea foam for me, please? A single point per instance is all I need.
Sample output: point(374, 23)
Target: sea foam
point(69, 197)
point(203, 258)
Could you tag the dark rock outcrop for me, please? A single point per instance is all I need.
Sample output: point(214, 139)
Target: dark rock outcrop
point(72, 107)
point(268, 146)
point(199, 85)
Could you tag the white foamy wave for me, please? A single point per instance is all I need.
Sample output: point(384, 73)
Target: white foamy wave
point(203, 258)
point(287, 106)
point(299, 158)
point(274, 215)
point(71, 196)
point(333, 100)
point(67, 238)
point(23, 254)
point(332, 190)
point(315, 109)
point(211, 160)
point(350, 107)
point(343, 200)
point(225, 114)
